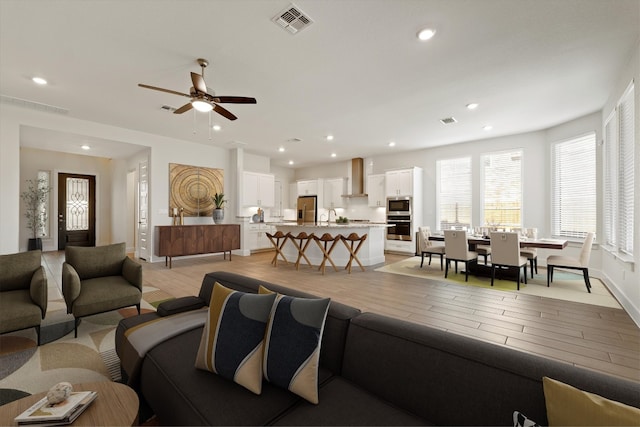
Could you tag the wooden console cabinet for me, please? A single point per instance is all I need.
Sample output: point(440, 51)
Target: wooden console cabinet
point(181, 240)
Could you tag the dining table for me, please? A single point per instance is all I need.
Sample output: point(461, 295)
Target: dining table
point(524, 242)
point(478, 269)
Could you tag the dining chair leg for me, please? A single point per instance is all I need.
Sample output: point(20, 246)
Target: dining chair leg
point(493, 273)
point(532, 262)
point(585, 273)
point(456, 266)
point(466, 271)
point(429, 259)
point(441, 259)
point(446, 269)
point(422, 260)
point(549, 269)
point(518, 282)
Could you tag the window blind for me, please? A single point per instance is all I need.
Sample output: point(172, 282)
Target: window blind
point(502, 188)
point(610, 178)
point(453, 198)
point(625, 171)
point(573, 180)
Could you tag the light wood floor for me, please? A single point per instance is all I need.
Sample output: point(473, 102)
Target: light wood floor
point(599, 338)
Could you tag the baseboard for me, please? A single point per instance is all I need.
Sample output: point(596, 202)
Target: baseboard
point(625, 302)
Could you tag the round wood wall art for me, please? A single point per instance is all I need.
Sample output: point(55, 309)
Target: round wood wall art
point(192, 188)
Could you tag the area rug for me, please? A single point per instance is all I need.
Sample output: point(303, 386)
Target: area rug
point(26, 368)
point(566, 285)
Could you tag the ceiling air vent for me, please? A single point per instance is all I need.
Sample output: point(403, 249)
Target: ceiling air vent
point(32, 105)
point(448, 120)
point(168, 108)
point(292, 19)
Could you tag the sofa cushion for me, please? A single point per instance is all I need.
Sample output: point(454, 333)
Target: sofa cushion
point(470, 381)
point(233, 337)
point(17, 269)
point(292, 344)
point(180, 394)
point(336, 324)
point(569, 406)
point(180, 305)
point(96, 261)
point(18, 311)
point(343, 403)
point(105, 294)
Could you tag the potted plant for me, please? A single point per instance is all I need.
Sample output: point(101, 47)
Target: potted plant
point(218, 211)
point(35, 198)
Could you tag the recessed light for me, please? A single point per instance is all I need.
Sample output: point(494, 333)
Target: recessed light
point(392, 144)
point(333, 154)
point(39, 80)
point(329, 137)
point(487, 127)
point(281, 149)
point(290, 162)
point(217, 127)
point(85, 147)
point(426, 34)
point(472, 106)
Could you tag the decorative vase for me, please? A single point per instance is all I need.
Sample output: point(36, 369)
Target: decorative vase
point(218, 215)
point(35, 244)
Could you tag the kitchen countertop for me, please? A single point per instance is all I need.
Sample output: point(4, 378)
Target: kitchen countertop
point(332, 225)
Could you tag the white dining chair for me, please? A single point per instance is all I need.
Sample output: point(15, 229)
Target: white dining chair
point(580, 263)
point(427, 247)
point(505, 252)
point(456, 248)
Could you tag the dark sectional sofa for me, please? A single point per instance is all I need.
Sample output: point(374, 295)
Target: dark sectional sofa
point(374, 370)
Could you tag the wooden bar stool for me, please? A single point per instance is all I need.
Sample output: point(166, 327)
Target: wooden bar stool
point(275, 241)
point(305, 238)
point(349, 241)
point(322, 244)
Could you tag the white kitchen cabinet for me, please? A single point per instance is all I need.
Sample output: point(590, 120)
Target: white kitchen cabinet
point(402, 182)
point(333, 191)
point(376, 191)
point(259, 190)
point(257, 236)
point(308, 187)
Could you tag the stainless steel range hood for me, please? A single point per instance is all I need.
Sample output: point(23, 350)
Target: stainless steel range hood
point(356, 179)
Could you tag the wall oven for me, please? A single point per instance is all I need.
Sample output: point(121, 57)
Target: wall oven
point(399, 227)
point(398, 205)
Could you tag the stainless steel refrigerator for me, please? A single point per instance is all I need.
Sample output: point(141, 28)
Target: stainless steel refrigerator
point(307, 210)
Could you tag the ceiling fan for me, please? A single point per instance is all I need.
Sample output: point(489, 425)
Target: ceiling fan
point(201, 100)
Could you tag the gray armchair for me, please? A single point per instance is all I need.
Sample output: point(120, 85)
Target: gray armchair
point(23, 292)
point(99, 279)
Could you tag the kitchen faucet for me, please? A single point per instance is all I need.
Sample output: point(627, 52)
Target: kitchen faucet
point(329, 215)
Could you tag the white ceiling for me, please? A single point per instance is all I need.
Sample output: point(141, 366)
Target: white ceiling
point(358, 72)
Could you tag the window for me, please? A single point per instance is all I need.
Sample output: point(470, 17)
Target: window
point(619, 174)
point(502, 189)
point(43, 182)
point(573, 182)
point(454, 193)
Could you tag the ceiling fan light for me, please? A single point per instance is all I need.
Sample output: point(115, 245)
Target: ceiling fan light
point(201, 106)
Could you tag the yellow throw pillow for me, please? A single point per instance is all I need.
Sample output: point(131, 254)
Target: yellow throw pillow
point(569, 406)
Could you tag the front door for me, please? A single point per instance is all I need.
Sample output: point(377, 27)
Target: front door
point(76, 210)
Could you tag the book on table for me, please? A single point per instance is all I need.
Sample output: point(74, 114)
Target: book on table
point(44, 414)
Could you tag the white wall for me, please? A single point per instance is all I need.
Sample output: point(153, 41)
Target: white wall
point(161, 152)
point(622, 276)
point(33, 160)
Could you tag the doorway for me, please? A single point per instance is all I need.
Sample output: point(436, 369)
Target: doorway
point(76, 210)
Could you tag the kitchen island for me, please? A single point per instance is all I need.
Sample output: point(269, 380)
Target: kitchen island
point(371, 252)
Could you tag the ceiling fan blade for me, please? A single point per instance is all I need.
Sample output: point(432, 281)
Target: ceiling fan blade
point(185, 107)
point(224, 112)
point(234, 100)
point(198, 82)
point(164, 90)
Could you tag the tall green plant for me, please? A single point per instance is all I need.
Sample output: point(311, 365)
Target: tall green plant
point(218, 200)
point(35, 198)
